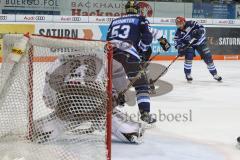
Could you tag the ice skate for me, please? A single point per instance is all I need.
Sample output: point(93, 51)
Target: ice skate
point(148, 119)
point(189, 77)
point(217, 77)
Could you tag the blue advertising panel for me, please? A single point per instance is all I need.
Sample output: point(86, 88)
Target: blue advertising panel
point(167, 32)
point(216, 11)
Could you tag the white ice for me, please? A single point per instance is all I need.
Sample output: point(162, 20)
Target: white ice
point(215, 117)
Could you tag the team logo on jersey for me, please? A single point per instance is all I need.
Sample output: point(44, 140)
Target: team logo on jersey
point(188, 38)
point(145, 9)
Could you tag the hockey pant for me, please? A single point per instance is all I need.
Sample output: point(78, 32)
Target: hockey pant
point(132, 66)
point(205, 54)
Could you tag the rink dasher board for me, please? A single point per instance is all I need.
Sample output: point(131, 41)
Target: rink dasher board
point(103, 19)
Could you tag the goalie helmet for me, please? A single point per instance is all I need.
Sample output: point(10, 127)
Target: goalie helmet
point(75, 87)
point(132, 7)
point(180, 22)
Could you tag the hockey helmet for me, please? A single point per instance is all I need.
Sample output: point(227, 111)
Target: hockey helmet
point(132, 7)
point(180, 22)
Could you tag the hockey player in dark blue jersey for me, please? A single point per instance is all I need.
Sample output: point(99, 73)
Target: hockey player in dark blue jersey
point(131, 37)
point(133, 29)
point(186, 32)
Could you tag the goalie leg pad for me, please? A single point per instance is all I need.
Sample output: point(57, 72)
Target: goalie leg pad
point(47, 129)
point(126, 130)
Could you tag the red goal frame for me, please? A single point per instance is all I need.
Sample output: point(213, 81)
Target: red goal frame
point(33, 59)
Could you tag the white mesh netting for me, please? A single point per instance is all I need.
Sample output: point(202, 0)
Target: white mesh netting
point(53, 102)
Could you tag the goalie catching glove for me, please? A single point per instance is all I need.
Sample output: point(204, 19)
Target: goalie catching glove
point(164, 44)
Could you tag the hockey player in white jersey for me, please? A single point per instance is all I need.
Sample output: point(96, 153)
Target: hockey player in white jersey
point(77, 99)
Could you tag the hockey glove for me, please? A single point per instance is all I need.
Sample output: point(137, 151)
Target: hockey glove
point(145, 55)
point(164, 44)
point(181, 51)
point(121, 99)
point(197, 33)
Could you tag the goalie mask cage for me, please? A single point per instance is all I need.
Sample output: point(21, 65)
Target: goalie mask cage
point(55, 103)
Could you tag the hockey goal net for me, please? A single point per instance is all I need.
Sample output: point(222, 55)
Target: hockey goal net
point(55, 99)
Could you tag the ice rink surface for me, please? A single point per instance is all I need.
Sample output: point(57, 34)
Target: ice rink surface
point(215, 125)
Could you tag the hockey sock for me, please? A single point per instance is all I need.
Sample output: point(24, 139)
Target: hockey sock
point(143, 98)
point(212, 68)
point(187, 67)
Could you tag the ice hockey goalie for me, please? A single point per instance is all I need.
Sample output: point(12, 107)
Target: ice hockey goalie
point(75, 91)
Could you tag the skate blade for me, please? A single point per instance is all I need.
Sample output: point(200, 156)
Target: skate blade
point(220, 81)
point(153, 92)
point(136, 140)
point(146, 125)
point(150, 126)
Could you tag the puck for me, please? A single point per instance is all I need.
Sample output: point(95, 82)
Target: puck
point(238, 140)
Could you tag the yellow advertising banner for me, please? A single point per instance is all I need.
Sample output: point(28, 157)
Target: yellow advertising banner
point(14, 28)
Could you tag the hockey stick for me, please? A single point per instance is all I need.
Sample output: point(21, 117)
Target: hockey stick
point(145, 65)
point(173, 61)
point(165, 70)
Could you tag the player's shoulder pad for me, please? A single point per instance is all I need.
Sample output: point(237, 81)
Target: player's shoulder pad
point(178, 31)
point(190, 23)
point(143, 20)
point(118, 18)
